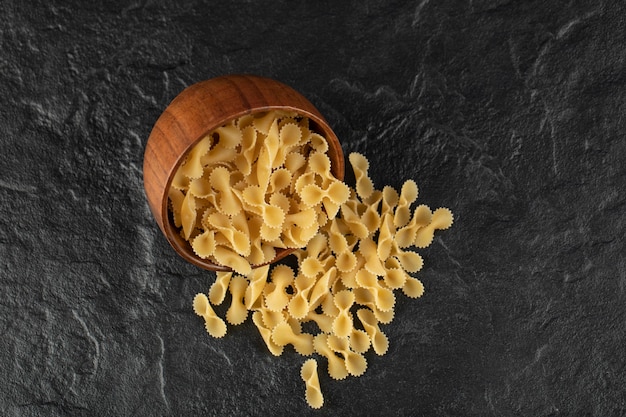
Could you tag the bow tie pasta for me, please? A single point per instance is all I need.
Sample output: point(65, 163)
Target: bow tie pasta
point(259, 183)
point(263, 182)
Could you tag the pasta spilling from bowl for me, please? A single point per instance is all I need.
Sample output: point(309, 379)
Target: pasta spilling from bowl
point(260, 183)
point(264, 182)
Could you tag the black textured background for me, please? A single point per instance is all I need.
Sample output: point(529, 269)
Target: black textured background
point(508, 112)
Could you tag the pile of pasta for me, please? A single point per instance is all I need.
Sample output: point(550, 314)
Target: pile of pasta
point(355, 251)
point(259, 183)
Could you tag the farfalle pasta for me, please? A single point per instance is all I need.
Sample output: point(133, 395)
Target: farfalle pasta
point(355, 251)
point(255, 184)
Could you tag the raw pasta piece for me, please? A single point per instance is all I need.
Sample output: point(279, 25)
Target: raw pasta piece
point(200, 188)
point(379, 340)
point(365, 298)
point(370, 217)
point(192, 167)
point(298, 306)
point(395, 276)
point(383, 297)
point(353, 221)
point(313, 393)
point(368, 249)
point(360, 165)
point(180, 181)
point(411, 261)
point(311, 267)
point(305, 218)
point(218, 289)
point(336, 366)
point(355, 362)
point(441, 220)
point(279, 180)
point(228, 203)
point(318, 143)
point(282, 278)
point(262, 123)
point(405, 236)
point(320, 164)
point(385, 237)
point(324, 322)
point(218, 155)
point(328, 306)
point(176, 198)
point(214, 325)
point(346, 261)
point(246, 157)
point(237, 312)
point(290, 135)
point(389, 200)
point(238, 240)
point(413, 288)
point(230, 136)
point(359, 341)
point(342, 325)
point(266, 334)
point(322, 288)
point(336, 239)
point(257, 280)
point(272, 318)
point(204, 245)
point(283, 335)
point(188, 215)
point(408, 194)
point(272, 145)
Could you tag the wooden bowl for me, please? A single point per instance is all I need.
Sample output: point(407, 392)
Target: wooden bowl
point(201, 108)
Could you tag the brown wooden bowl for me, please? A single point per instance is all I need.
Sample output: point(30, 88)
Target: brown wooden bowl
point(201, 108)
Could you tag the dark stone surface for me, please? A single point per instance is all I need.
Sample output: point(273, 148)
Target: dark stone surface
point(508, 112)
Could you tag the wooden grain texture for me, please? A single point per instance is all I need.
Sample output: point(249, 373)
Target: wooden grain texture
point(201, 108)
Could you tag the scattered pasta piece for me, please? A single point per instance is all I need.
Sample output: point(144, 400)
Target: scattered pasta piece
point(354, 247)
point(215, 326)
point(218, 289)
point(313, 393)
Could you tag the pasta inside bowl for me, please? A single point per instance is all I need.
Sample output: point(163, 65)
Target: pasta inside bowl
point(240, 170)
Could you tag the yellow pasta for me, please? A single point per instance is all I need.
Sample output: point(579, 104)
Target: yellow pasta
point(360, 165)
point(283, 335)
point(383, 297)
point(204, 244)
point(215, 326)
point(342, 325)
point(276, 298)
point(257, 280)
point(321, 288)
point(364, 297)
point(353, 245)
point(298, 306)
point(359, 341)
point(408, 195)
point(219, 288)
point(442, 219)
point(379, 340)
point(355, 362)
point(405, 236)
point(336, 366)
point(313, 393)
point(192, 168)
point(413, 287)
point(237, 312)
point(266, 334)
